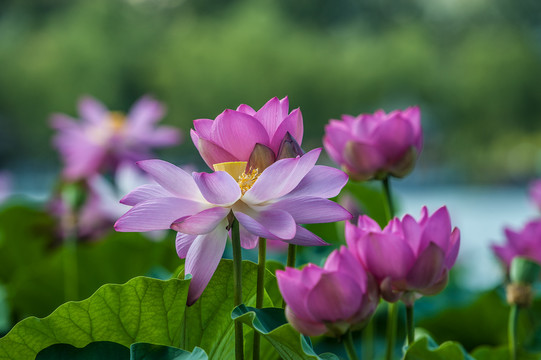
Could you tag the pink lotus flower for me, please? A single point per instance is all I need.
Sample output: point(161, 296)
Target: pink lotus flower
point(525, 243)
point(218, 140)
point(329, 300)
point(407, 257)
point(373, 146)
point(103, 139)
point(272, 204)
point(535, 193)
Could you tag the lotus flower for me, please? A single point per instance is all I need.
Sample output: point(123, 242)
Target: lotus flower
point(270, 204)
point(374, 146)
point(407, 257)
point(103, 139)
point(525, 243)
point(535, 193)
point(329, 300)
point(272, 132)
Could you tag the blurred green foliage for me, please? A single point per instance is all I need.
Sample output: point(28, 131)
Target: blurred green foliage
point(473, 67)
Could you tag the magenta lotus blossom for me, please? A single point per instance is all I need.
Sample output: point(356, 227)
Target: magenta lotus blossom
point(103, 139)
point(329, 300)
point(535, 193)
point(407, 257)
point(525, 243)
point(234, 134)
point(373, 146)
point(270, 204)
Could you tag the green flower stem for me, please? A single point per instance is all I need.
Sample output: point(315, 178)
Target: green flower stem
point(392, 319)
point(368, 340)
point(260, 290)
point(350, 348)
point(512, 331)
point(392, 315)
point(389, 206)
point(410, 326)
point(69, 225)
point(237, 287)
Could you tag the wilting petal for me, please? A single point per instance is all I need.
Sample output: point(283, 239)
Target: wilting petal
point(270, 224)
point(261, 158)
point(378, 249)
point(387, 291)
point(203, 259)
point(305, 237)
point(292, 124)
point(311, 210)
point(289, 148)
point(438, 286)
point(172, 178)
point(213, 154)
point(304, 326)
point(218, 188)
point(247, 239)
point(321, 181)
point(280, 178)
point(427, 268)
point(335, 297)
point(202, 222)
point(144, 193)
point(156, 214)
point(238, 133)
point(183, 243)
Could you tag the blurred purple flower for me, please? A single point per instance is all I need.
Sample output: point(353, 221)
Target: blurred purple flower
point(103, 139)
point(329, 300)
point(535, 193)
point(234, 134)
point(407, 257)
point(373, 146)
point(272, 204)
point(525, 243)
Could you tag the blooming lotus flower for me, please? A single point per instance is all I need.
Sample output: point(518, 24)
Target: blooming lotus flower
point(270, 204)
point(373, 146)
point(535, 193)
point(272, 131)
point(329, 300)
point(525, 243)
point(103, 139)
point(408, 257)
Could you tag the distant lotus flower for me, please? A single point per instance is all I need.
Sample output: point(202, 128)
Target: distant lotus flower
point(329, 300)
point(373, 146)
point(525, 243)
point(270, 204)
point(535, 193)
point(407, 257)
point(257, 137)
point(103, 139)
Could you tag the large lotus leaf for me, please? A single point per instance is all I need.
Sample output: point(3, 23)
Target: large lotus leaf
point(273, 326)
point(501, 353)
point(146, 310)
point(110, 350)
point(425, 348)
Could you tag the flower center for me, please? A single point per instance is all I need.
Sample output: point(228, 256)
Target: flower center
point(237, 169)
point(116, 120)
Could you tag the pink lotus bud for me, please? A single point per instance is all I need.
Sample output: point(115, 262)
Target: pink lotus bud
point(525, 243)
point(329, 300)
point(373, 146)
point(408, 257)
point(233, 135)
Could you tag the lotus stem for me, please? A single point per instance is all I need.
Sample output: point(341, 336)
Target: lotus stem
point(410, 326)
point(392, 318)
point(350, 347)
point(260, 290)
point(389, 208)
point(69, 225)
point(237, 287)
point(291, 260)
point(368, 340)
point(512, 331)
